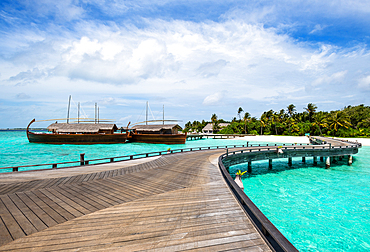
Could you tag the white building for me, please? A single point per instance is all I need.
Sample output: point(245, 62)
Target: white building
point(208, 129)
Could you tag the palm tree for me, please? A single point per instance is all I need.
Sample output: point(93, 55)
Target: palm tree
point(291, 122)
point(311, 109)
point(291, 110)
point(246, 118)
point(214, 120)
point(320, 121)
point(275, 119)
point(263, 122)
point(337, 120)
point(240, 110)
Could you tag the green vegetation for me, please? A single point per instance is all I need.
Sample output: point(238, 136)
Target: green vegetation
point(347, 122)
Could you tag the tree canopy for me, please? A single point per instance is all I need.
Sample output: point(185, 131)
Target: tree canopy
point(351, 121)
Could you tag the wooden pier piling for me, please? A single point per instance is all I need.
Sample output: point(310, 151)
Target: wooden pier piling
point(249, 167)
point(314, 161)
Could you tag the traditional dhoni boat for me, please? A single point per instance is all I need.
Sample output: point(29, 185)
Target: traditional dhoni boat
point(77, 133)
point(87, 131)
point(156, 133)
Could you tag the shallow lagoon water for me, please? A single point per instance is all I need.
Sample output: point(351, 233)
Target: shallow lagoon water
point(16, 150)
point(315, 208)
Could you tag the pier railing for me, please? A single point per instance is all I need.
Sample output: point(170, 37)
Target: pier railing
point(323, 147)
point(83, 161)
point(319, 148)
point(268, 231)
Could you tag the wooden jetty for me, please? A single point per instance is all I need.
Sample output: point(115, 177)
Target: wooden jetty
point(175, 202)
point(169, 203)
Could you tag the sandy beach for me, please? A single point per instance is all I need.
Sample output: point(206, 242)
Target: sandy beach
point(296, 139)
point(276, 139)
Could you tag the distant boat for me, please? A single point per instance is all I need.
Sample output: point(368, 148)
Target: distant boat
point(156, 133)
point(77, 133)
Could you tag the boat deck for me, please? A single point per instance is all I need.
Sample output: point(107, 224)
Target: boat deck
point(170, 203)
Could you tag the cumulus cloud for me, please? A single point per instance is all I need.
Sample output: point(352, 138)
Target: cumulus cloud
point(213, 99)
point(335, 77)
point(210, 69)
point(187, 65)
point(33, 74)
point(22, 96)
point(364, 82)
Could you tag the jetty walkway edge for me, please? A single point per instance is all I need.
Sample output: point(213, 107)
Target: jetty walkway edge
point(174, 202)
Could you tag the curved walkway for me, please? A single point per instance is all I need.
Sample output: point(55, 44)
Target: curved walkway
point(173, 203)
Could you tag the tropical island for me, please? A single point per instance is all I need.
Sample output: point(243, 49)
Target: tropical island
point(351, 121)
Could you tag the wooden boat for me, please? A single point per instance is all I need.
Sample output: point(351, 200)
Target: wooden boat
point(157, 134)
point(77, 133)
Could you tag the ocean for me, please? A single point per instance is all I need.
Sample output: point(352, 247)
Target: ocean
point(317, 209)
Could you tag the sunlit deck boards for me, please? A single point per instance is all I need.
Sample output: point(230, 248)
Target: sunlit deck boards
point(173, 203)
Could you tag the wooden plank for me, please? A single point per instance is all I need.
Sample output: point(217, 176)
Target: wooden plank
point(41, 214)
point(79, 181)
point(59, 181)
point(87, 203)
point(103, 195)
point(27, 212)
point(89, 197)
point(10, 223)
point(5, 236)
point(56, 217)
point(54, 202)
point(87, 178)
point(72, 207)
point(22, 221)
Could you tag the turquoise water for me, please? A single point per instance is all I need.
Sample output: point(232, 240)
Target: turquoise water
point(15, 150)
point(317, 209)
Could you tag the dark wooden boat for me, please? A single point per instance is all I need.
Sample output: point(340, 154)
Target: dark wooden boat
point(157, 134)
point(77, 133)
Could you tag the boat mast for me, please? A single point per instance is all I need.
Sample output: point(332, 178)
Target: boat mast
point(146, 114)
point(163, 114)
point(95, 113)
point(98, 114)
point(69, 105)
point(78, 114)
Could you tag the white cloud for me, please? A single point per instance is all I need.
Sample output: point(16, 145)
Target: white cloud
point(364, 82)
point(335, 77)
point(318, 28)
point(213, 99)
point(210, 69)
point(186, 65)
point(23, 96)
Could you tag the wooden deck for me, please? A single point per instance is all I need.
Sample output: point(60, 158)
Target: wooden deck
point(172, 203)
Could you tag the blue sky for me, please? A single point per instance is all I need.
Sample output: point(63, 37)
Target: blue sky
point(195, 57)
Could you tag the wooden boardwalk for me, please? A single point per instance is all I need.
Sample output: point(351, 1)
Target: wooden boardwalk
point(172, 203)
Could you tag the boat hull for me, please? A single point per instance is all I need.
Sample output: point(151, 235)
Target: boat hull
point(76, 138)
point(158, 138)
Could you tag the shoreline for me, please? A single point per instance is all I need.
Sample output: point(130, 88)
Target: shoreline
point(275, 139)
point(296, 139)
